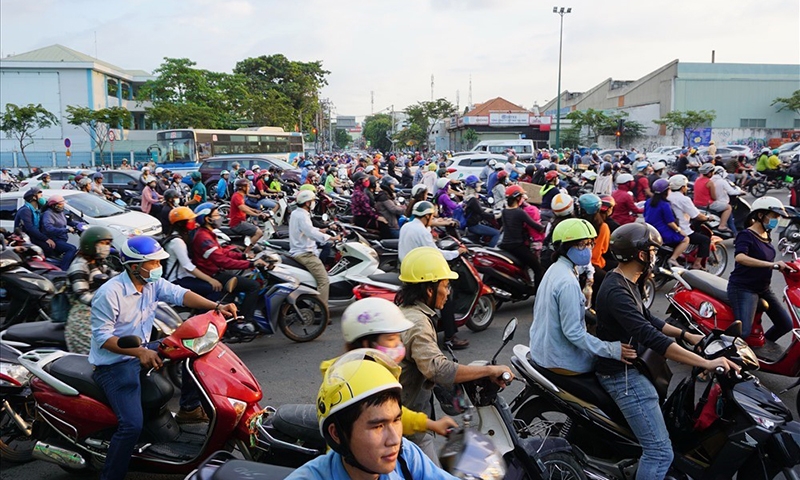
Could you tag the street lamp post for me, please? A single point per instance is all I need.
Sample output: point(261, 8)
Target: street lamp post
point(561, 12)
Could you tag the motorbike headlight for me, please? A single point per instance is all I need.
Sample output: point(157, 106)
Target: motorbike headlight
point(204, 344)
point(707, 310)
point(127, 231)
point(746, 353)
point(14, 372)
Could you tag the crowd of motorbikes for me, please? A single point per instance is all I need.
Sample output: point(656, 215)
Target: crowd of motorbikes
point(556, 427)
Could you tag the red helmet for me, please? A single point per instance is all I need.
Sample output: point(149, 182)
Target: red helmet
point(502, 174)
point(514, 191)
point(550, 175)
point(607, 202)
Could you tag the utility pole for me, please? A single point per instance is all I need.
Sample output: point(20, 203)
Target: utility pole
point(469, 98)
point(372, 102)
point(431, 87)
point(561, 12)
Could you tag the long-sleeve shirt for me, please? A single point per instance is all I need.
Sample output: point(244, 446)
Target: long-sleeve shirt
point(514, 221)
point(446, 203)
point(360, 204)
point(118, 310)
point(28, 218)
point(210, 257)
point(81, 274)
point(149, 198)
point(54, 225)
point(475, 212)
point(389, 209)
point(724, 189)
point(558, 336)
point(303, 235)
point(625, 210)
point(414, 234)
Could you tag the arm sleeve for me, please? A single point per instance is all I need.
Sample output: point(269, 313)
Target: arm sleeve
point(312, 232)
point(742, 244)
point(212, 251)
point(425, 352)
point(570, 307)
point(447, 201)
point(414, 422)
point(182, 254)
point(80, 286)
point(26, 222)
point(105, 310)
point(170, 293)
point(626, 310)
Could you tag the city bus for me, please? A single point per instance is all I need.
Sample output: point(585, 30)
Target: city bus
point(184, 149)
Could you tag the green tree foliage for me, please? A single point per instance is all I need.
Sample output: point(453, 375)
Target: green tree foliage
point(342, 138)
point(377, 129)
point(470, 136)
point(789, 103)
point(20, 123)
point(411, 136)
point(571, 137)
point(687, 121)
point(425, 115)
point(590, 120)
point(98, 123)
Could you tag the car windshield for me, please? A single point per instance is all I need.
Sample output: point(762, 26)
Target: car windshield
point(281, 164)
point(93, 206)
point(788, 146)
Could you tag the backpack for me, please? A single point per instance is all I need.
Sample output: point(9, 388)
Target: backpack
point(164, 241)
point(460, 217)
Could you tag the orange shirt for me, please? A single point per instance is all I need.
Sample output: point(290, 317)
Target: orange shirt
point(601, 246)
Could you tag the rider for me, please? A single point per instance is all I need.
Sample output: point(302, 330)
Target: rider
point(151, 199)
point(752, 272)
point(548, 191)
point(364, 213)
point(222, 185)
point(237, 217)
point(29, 220)
point(515, 238)
point(442, 198)
point(87, 272)
point(768, 164)
point(658, 213)
point(625, 210)
point(179, 268)
point(358, 407)
point(487, 170)
point(387, 206)
point(97, 185)
point(172, 199)
point(475, 213)
point(558, 337)
point(705, 194)
point(303, 239)
point(426, 287)
point(685, 212)
point(604, 183)
point(198, 193)
point(126, 305)
point(621, 317)
point(724, 190)
point(499, 192)
point(57, 227)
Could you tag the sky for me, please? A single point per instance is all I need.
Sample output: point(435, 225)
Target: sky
point(509, 48)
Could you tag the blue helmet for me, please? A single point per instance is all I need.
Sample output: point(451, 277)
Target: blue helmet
point(472, 181)
point(202, 210)
point(590, 203)
point(142, 248)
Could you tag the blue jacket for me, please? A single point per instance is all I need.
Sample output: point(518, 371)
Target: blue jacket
point(54, 225)
point(29, 220)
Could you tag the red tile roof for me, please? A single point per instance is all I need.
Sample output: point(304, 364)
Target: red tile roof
point(495, 105)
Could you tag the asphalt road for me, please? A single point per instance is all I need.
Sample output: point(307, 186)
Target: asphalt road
point(289, 372)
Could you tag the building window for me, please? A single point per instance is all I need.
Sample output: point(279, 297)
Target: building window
point(753, 123)
point(797, 123)
point(112, 87)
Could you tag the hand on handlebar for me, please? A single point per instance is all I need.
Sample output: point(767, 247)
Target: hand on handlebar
point(784, 267)
point(149, 358)
point(722, 364)
point(501, 375)
point(443, 426)
point(228, 310)
point(462, 250)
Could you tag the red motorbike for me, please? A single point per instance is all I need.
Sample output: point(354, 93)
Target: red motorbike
point(475, 303)
point(74, 423)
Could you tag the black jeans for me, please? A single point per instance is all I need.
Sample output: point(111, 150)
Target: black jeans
point(524, 253)
point(447, 319)
point(245, 285)
point(703, 244)
point(369, 223)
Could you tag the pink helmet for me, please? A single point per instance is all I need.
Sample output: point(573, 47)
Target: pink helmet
point(55, 200)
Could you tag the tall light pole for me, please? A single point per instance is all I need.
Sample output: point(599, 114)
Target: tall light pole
point(561, 12)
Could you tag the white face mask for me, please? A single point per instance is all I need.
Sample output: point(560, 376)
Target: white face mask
point(177, 202)
point(102, 251)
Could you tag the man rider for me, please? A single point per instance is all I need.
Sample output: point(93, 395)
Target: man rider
point(126, 305)
point(237, 217)
point(767, 164)
point(222, 185)
point(198, 193)
point(303, 239)
point(29, 220)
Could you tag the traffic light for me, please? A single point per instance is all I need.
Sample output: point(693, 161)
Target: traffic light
point(314, 131)
point(619, 132)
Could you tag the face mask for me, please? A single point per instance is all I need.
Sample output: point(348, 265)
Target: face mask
point(249, 177)
point(58, 208)
point(772, 224)
point(396, 353)
point(41, 201)
point(217, 222)
point(177, 202)
point(580, 257)
point(102, 251)
point(191, 224)
point(155, 275)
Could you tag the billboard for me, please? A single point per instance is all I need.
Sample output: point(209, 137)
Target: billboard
point(508, 119)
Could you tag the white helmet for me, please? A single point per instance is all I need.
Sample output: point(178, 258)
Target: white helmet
point(765, 150)
point(563, 205)
point(589, 175)
point(442, 182)
point(594, 152)
point(642, 165)
point(492, 162)
point(640, 156)
point(255, 167)
point(719, 171)
point(305, 196)
point(623, 178)
point(676, 182)
point(369, 169)
point(418, 188)
point(372, 316)
point(769, 203)
point(544, 164)
point(159, 170)
point(659, 166)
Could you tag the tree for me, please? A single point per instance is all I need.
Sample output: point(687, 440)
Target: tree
point(789, 103)
point(342, 138)
point(590, 119)
point(687, 121)
point(631, 130)
point(470, 136)
point(571, 137)
point(426, 114)
point(98, 123)
point(377, 131)
point(411, 136)
point(21, 123)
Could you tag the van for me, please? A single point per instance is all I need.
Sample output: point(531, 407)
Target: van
point(524, 148)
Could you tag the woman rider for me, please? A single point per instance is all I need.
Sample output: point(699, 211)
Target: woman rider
point(658, 213)
point(515, 238)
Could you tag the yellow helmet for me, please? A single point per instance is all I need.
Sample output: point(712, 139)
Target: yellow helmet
point(355, 376)
point(425, 264)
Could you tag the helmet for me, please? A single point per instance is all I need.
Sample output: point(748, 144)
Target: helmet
point(241, 182)
point(176, 177)
point(371, 316)
point(358, 177)
point(607, 202)
point(195, 175)
point(248, 173)
point(256, 167)
point(641, 166)
point(422, 208)
point(202, 210)
point(388, 181)
point(502, 174)
point(84, 181)
point(624, 178)
point(54, 200)
point(590, 203)
point(159, 170)
point(421, 163)
point(660, 186)
point(676, 182)
point(514, 176)
point(171, 194)
point(373, 180)
point(32, 192)
point(425, 264)
point(145, 168)
point(442, 183)
point(417, 189)
point(308, 187)
point(224, 172)
point(719, 171)
point(769, 203)
point(181, 213)
point(573, 229)
point(544, 164)
point(706, 168)
point(241, 171)
point(628, 240)
point(775, 151)
point(305, 196)
point(514, 191)
point(562, 205)
point(97, 175)
point(432, 167)
point(550, 175)
point(472, 181)
point(369, 169)
point(492, 162)
point(142, 248)
point(641, 156)
point(355, 376)
point(91, 236)
point(658, 166)
point(765, 150)
point(594, 152)
point(530, 170)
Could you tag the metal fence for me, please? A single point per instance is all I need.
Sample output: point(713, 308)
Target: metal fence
point(15, 160)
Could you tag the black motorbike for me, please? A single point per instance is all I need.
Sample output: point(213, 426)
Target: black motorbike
point(17, 408)
point(737, 427)
point(26, 294)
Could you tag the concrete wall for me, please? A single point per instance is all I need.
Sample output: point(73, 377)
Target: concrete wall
point(753, 137)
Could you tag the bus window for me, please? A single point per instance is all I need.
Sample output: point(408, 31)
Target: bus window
point(177, 151)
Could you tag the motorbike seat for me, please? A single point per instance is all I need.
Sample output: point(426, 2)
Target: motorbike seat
point(288, 260)
point(499, 251)
point(76, 371)
point(392, 278)
point(390, 243)
point(281, 244)
point(238, 469)
point(44, 333)
point(707, 283)
point(586, 387)
point(299, 421)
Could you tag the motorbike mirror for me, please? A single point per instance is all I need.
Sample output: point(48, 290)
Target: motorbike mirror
point(735, 329)
point(511, 328)
point(231, 284)
point(129, 341)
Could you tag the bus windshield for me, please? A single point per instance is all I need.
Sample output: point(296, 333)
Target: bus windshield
point(176, 147)
point(190, 147)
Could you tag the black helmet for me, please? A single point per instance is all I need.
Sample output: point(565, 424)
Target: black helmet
point(359, 177)
point(373, 180)
point(628, 240)
point(91, 236)
point(530, 170)
point(171, 194)
point(387, 182)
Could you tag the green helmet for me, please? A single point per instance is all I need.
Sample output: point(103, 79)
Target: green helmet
point(573, 229)
point(196, 175)
point(423, 208)
point(91, 236)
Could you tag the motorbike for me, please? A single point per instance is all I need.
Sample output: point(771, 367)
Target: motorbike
point(474, 300)
point(506, 275)
point(222, 465)
point(737, 426)
point(760, 184)
point(16, 407)
point(28, 293)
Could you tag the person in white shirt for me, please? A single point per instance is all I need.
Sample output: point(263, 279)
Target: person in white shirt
point(511, 166)
point(724, 189)
point(180, 269)
point(685, 212)
point(303, 239)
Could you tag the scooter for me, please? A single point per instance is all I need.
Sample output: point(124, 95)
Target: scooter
point(28, 293)
point(737, 427)
point(699, 302)
point(222, 465)
point(716, 263)
point(16, 407)
point(506, 275)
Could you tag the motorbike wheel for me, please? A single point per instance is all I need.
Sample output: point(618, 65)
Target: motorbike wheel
point(561, 466)
point(718, 260)
point(224, 210)
point(309, 324)
point(15, 446)
point(649, 295)
point(758, 189)
point(483, 315)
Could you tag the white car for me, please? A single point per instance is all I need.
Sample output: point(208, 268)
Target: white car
point(462, 166)
point(90, 209)
point(788, 153)
point(664, 154)
point(58, 178)
point(742, 149)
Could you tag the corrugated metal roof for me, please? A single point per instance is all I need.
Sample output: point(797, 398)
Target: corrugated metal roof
point(688, 70)
point(60, 53)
